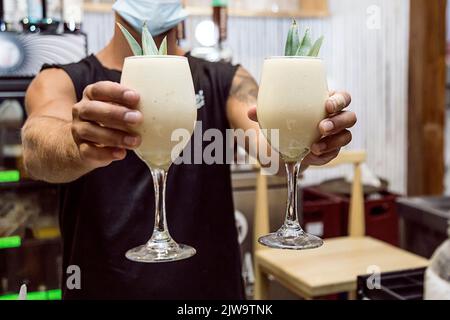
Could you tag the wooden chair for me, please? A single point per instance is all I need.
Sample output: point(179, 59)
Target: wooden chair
point(334, 267)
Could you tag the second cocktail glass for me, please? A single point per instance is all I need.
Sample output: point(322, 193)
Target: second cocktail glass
point(167, 102)
point(291, 99)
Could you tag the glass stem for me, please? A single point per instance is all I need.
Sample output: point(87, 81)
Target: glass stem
point(160, 230)
point(291, 220)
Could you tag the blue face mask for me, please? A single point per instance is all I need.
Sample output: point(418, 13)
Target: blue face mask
point(161, 15)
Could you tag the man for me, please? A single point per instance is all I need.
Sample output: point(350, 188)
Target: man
point(80, 132)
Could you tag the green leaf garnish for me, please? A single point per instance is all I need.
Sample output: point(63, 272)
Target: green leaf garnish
point(134, 45)
point(148, 44)
point(305, 45)
point(314, 52)
point(163, 47)
point(305, 48)
point(293, 40)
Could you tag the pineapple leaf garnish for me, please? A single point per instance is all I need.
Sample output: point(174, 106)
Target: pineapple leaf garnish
point(163, 47)
point(305, 46)
point(296, 46)
point(148, 44)
point(314, 52)
point(293, 40)
point(134, 45)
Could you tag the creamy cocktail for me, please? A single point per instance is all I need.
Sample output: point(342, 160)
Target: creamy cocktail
point(291, 100)
point(167, 102)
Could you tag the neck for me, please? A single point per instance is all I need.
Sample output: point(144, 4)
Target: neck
point(113, 55)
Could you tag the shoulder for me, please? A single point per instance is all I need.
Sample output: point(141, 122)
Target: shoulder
point(59, 81)
point(57, 76)
point(83, 64)
point(220, 75)
point(79, 73)
point(51, 81)
point(201, 65)
point(49, 85)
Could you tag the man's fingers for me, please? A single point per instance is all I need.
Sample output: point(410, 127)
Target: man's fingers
point(339, 122)
point(113, 92)
point(86, 131)
point(109, 115)
point(331, 143)
point(312, 159)
point(337, 102)
point(252, 114)
point(100, 156)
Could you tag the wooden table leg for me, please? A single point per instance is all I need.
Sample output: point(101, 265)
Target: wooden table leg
point(261, 291)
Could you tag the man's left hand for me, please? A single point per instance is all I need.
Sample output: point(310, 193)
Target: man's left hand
point(334, 129)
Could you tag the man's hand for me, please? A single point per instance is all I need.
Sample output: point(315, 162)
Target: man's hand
point(104, 123)
point(333, 129)
point(63, 140)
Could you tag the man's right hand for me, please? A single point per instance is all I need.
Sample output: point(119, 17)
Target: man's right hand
point(104, 123)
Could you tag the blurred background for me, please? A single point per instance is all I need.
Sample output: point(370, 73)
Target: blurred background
point(390, 55)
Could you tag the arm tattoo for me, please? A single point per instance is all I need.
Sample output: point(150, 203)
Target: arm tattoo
point(244, 87)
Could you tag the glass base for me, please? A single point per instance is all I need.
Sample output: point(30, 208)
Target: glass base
point(154, 252)
point(289, 238)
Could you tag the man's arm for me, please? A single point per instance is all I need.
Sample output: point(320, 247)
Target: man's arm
point(49, 150)
point(241, 101)
point(62, 139)
point(242, 98)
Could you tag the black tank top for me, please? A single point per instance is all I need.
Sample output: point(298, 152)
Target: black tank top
point(111, 210)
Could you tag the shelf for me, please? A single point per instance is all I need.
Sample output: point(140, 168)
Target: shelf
point(233, 12)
